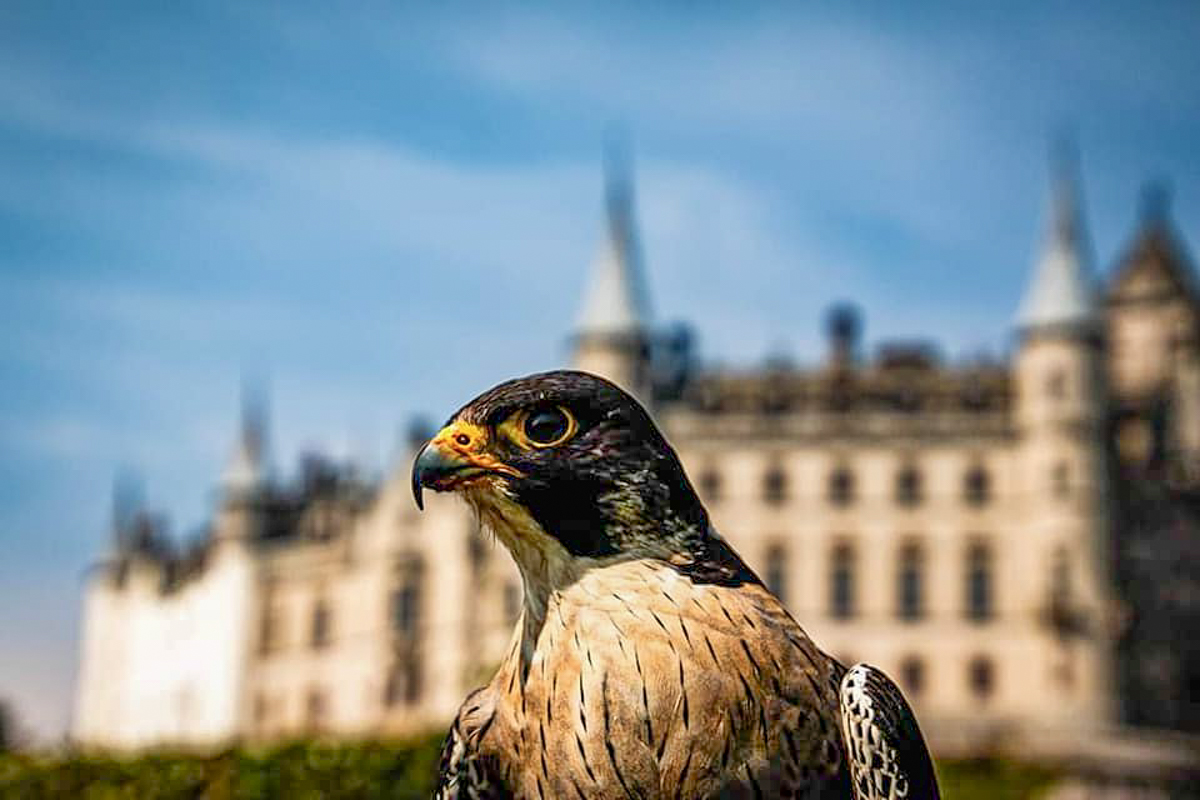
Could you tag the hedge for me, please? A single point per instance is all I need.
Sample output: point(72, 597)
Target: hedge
point(368, 770)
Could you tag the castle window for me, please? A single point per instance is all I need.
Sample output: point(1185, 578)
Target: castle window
point(842, 582)
point(776, 571)
point(912, 675)
point(512, 601)
point(406, 599)
point(404, 680)
point(977, 486)
point(841, 487)
point(1060, 479)
point(910, 583)
point(979, 589)
point(269, 629)
point(775, 485)
point(909, 489)
point(315, 709)
point(1135, 441)
point(1056, 384)
point(476, 550)
point(981, 677)
point(710, 485)
point(321, 623)
point(260, 710)
point(1060, 579)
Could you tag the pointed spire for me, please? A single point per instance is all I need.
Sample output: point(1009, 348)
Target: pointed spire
point(247, 469)
point(1062, 293)
point(615, 300)
point(1156, 203)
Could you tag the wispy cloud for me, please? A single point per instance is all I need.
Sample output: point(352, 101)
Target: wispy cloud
point(388, 210)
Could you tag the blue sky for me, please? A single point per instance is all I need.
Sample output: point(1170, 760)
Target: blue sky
point(385, 210)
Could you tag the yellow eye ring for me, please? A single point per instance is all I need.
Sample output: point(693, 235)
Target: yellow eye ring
point(541, 427)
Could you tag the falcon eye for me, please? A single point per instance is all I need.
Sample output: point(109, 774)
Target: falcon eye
point(547, 427)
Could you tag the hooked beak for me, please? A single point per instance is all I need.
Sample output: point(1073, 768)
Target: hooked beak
point(438, 469)
point(452, 457)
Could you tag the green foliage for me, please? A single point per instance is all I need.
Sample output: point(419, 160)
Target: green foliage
point(317, 770)
point(993, 779)
point(395, 771)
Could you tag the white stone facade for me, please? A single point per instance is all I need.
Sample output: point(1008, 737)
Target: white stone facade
point(950, 524)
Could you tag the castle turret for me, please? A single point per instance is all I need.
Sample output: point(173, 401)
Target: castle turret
point(1059, 324)
point(1154, 333)
point(843, 327)
point(1060, 418)
point(611, 335)
point(246, 476)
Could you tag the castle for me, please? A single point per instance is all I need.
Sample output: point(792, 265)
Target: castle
point(1010, 541)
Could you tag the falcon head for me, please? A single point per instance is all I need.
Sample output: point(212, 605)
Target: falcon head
point(565, 466)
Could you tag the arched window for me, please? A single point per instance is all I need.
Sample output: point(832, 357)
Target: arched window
point(981, 677)
point(404, 680)
point(775, 485)
point(842, 600)
point(912, 675)
point(776, 570)
point(979, 584)
point(710, 485)
point(977, 486)
point(910, 583)
point(320, 634)
point(407, 599)
point(841, 487)
point(909, 489)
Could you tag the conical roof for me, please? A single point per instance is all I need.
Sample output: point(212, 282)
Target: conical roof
point(1157, 260)
point(247, 469)
point(614, 300)
point(1062, 292)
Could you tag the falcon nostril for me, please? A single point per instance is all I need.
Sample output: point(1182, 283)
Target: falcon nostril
point(463, 439)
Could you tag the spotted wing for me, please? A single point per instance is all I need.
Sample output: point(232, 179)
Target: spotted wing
point(887, 754)
point(464, 773)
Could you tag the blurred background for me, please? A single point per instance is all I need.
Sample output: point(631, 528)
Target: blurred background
point(368, 216)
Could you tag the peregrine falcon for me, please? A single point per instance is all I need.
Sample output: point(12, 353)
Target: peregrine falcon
point(649, 661)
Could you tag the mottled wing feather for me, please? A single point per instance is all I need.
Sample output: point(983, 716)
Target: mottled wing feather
point(464, 774)
point(887, 754)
